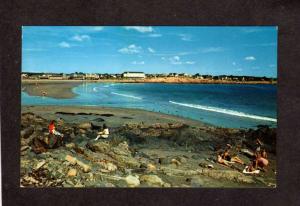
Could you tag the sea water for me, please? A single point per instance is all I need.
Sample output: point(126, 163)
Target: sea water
point(224, 105)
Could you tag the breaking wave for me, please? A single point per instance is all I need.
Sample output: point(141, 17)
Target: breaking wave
point(125, 95)
point(225, 111)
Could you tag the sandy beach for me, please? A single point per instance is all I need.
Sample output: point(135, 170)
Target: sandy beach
point(54, 89)
point(144, 149)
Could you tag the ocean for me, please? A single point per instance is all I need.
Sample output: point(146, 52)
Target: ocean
point(232, 105)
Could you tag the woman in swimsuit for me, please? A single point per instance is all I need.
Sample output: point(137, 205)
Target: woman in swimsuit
point(229, 158)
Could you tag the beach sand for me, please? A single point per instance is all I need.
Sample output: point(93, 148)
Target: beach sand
point(54, 89)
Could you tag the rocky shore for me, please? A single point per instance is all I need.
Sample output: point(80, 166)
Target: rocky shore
point(161, 151)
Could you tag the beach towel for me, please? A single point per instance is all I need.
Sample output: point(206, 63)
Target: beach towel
point(253, 172)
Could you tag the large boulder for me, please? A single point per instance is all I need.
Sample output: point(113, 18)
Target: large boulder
point(122, 149)
point(132, 181)
point(25, 133)
point(38, 146)
point(85, 125)
point(101, 146)
point(152, 180)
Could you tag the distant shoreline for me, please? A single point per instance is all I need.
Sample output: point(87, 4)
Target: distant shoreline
point(169, 80)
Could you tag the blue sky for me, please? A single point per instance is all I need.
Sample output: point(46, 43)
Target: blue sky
point(151, 49)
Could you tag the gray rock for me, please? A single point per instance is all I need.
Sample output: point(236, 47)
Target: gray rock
point(85, 125)
point(152, 180)
point(98, 146)
point(27, 132)
point(132, 181)
point(164, 160)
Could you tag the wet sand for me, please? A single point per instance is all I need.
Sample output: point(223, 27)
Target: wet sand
point(54, 89)
point(114, 117)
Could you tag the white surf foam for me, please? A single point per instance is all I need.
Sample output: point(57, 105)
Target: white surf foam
point(95, 89)
point(126, 95)
point(225, 111)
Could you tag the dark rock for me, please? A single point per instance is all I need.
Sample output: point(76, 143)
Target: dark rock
point(96, 125)
point(126, 117)
point(106, 115)
point(102, 147)
point(38, 146)
point(66, 113)
point(99, 119)
point(164, 160)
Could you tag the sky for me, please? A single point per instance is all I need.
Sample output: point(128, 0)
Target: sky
point(224, 50)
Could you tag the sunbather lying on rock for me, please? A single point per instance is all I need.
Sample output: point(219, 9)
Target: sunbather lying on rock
point(223, 161)
point(225, 158)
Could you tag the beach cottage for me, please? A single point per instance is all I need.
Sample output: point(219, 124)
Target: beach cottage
point(133, 75)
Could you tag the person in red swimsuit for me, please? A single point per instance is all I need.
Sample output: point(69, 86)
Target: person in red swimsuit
point(52, 130)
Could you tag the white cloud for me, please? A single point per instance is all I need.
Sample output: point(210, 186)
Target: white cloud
point(131, 49)
point(151, 50)
point(163, 58)
point(233, 63)
point(64, 44)
point(177, 60)
point(250, 58)
point(142, 29)
point(212, 49)
point(81, 37)
point(154, 35)
point(185, 37)
point(136, 62)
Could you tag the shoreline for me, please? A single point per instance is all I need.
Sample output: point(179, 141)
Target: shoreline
point(123, 115)
point(153, 80)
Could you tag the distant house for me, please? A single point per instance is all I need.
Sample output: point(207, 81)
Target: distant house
point(133, 75)
point(24, 76)
point(44, 76)
point(56, 76)
point(77, 76)
point(92, 76)
point(173, 75)
point(183, 75)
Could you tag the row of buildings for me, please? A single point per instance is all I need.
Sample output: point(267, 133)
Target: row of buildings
point(135, 75)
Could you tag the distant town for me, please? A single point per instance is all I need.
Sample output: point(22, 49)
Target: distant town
point(141, 76)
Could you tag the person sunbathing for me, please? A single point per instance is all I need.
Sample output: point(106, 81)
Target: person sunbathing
point(261, 160)
point(104, 133)
point(226, 156)
point(223, 161)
